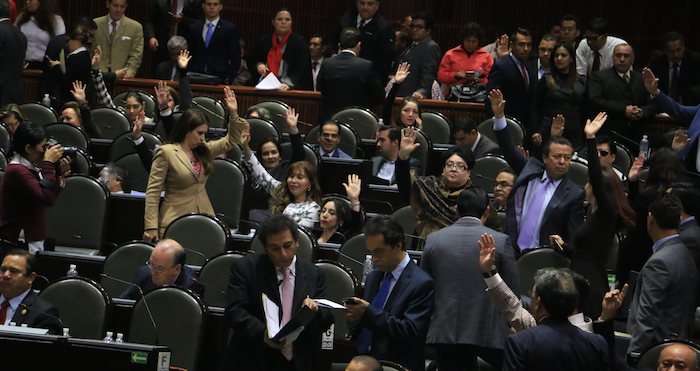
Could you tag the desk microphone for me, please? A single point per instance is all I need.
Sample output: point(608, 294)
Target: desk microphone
point(30, 309)
point(216, 289)
point(350, 258)
point(143, 298)
point(207, 110)
point(484, 177)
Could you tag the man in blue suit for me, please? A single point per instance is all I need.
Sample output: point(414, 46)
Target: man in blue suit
point(214, 44)
point(393, 319)
point(555, 344)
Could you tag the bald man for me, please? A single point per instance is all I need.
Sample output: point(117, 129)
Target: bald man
point(364, 363)
point(165, 267)
point(678, 356)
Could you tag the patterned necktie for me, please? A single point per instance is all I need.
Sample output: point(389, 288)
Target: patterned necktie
point(287, 299)
point(210, 31)
point(3, 311)
point(364, 341)
point(529, 218)
point(113, 32)
point(596, 62)
point(674, 84)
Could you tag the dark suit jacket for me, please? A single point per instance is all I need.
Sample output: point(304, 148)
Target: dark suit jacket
point(486, 146)
point(250, 277)
point(564, 213)
point(346, 80)
point(399, 330)
point(506, 76)
point(690, 235)
point(377, 41)
point(689, 75)
point(144, 281)
point(424, 59)
point(296, 56)
point(158, 23)
point(223, 55)
point(688, 114)
point(78, 67)
point(378, 162)
point(54, 76)
point(664, 299)
point(555, 344)
point(13, 47)
point(608, 92)
point(36, 312)
point(164, 71)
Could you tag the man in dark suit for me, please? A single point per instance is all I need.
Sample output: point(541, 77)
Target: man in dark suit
point(619, 91)
point(376, 35)
point(166, 266)
point(679, 63)
point(18, 303)
point(214, 44)
point(168, 70)
point(169, 18)
point(348, 80)
point(13, 46)
point(460, 290)
point(555, 344)
point(423, 56)
point(543, 200)
point(465, 134)
point(665, 296)
point(328, 140)
point(515, 76)
point(688, 230)
point(287, 281)
point(392, 320)
point(384, 164)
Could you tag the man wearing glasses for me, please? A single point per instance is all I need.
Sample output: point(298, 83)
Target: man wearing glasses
point(423, 56)
point(165, 267)
point(596, 52)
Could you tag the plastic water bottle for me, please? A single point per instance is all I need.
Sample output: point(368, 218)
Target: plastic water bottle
point(644, 147)
point(108, 337)
point(46, 100)
point(380, 123)
point(120, 338)
point(72, 271)
point(66, 332)
point(366, 268)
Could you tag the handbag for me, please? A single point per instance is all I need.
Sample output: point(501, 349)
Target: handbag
point(467, 93)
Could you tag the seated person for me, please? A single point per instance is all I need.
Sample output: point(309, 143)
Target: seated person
point(168, 70)
point(384, 164)
point(328, 140)
point(466, 135)
point(501, 190)
point(77, 113)
point(364, 363)
point(18, 302)
point(114, 177)
point(338, 221)
point(607, 153)
point(165, 267)
point(11, 116)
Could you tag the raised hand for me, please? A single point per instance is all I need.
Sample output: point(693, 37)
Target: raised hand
point(138, 125)
point(408, 143)
point(150, 235)
point(162, 93)
point(592, 127)
point(96, 57)
point(680, 140)
point(537, 139)
point(292, 118)
point(635, 169)
point(487, 253)
point(79, 92)
point(263, 70)
point(525, 153)
point(419, 123)
point(231, 103)
point(612, 301)
point(650, 81)
point(352, 188)
point(402, 72)
point(498, 104)
point(183, 59)
point(502, 46)
point(245, 141)
point(557, 128)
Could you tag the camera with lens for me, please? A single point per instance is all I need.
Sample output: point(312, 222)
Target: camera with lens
point(68, 151)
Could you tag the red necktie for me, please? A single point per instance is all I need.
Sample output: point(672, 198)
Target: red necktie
point(173, 23)
point(3, 311)
point(596, 62)
point(526, 78)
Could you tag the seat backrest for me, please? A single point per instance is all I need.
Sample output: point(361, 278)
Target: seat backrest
point(124, 145)
point(112, 122)
point(38, 113)
point(578, 172)
point(179, 318)
point(623, 157)
point(215, 277)
point(203, 236)
point(226, 177)
point(235, 154)
point(68, 135)
point(137, 174)
point(532, 260)
point(3, 160)
point(405, 217)
point(77, 218)
point(349, 140)
point(422, 153)
point(340, 284)
point(277, 110)
point(149, 102)
point(437, 127)
point(352, 254)
point(391, 366)
point(213, 109)
point(5, 138)
point(486, 169)
point(123, 263)
point(82, 305)
point(362, 120)
point(309, 154)
point(514, 128)
point(260, 130)
point(82, 163)
point(307, 245)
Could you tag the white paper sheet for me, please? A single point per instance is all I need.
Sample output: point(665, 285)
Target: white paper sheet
point(329, 304)
point(270, 82)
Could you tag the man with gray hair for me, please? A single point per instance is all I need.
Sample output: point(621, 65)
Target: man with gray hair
point(678, 356)
point(168, 70)
point(555, 344)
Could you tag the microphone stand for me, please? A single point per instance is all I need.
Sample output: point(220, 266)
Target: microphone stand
point(143, 298)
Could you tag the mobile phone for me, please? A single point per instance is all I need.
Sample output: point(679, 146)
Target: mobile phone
point(347, 301)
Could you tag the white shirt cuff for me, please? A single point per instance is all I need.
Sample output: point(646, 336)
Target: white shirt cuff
point(499, 123)
point(493, 281)
point(166, 113)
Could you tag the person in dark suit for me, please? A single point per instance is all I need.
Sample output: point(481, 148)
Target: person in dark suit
point(460, 290)
point(169, 18)
point(328, 140)
point(168, 70)
point(166, 266)
point(13, 46)
point(555, 344)
point(276, 273)
point(18, 302)
point(423, 56)
point(543, 200)
point(665, 296)
point(516, 77)
point(376, 35)
point(688, 230)
point(392, 320)
point(214, 44)
point(619, 91)
point(348, 80)
point(78, 63)
point(384, 164)
point(682, 63)
point(466, 135)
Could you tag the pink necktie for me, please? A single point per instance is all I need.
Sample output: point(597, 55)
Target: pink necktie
point(287, 298)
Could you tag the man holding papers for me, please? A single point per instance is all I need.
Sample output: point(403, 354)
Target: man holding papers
point(278, 285)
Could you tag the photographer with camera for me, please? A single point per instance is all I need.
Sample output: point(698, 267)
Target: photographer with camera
point(30, 185)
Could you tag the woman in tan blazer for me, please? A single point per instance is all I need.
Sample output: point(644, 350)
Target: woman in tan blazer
point(181, 168)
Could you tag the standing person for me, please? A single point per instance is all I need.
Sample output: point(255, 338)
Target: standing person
point(169, 18)
point(215, 44)
point(466, 63)
point(289, 282)
point(423, 57)
point(317, 52)
point(595, 54)
point(13, 46)
point(39, 22)
point(181, 168)
point(121, 39)
point(544, 52)
point(678, 70)
point(284, 53)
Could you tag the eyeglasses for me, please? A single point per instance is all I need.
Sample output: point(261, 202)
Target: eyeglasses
point(455, 166)
point(502, 184)
point(416, 27)
point(603, 153)
point(157, 269)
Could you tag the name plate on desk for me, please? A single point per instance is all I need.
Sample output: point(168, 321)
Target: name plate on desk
point(23, 330)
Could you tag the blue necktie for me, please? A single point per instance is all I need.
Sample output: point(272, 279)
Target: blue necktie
point(210, 31)
point(365, 339)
